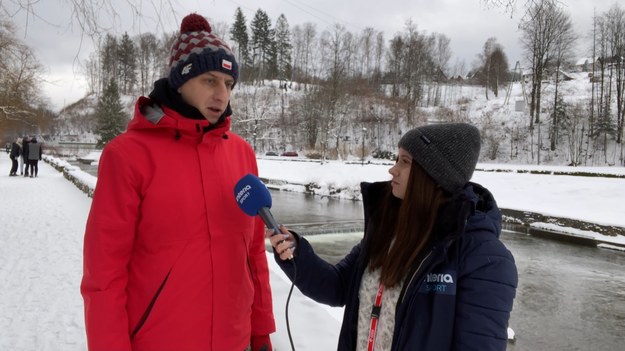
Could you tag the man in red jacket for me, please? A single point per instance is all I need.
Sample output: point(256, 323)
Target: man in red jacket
point(170, 261)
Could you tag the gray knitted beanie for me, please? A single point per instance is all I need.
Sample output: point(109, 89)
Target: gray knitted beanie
point(448, 152)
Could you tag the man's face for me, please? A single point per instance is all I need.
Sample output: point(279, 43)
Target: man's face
point(209, 93)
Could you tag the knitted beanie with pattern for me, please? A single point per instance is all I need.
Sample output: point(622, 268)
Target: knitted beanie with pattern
point(197, 50)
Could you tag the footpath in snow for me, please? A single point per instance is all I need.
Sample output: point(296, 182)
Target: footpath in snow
point(42, 223)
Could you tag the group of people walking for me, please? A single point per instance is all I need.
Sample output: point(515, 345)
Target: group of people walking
point(25, 151)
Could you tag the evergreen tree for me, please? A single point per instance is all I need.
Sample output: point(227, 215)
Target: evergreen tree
point(127, 58)
point(262, 42)
point(271, 59)
point(239, 35)
point(109, 114)
point(283, 48)
point(109, 63)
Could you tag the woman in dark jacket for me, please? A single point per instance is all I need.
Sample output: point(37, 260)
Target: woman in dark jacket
point(430, 273)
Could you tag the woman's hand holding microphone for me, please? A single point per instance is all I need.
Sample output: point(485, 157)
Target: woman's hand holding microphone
point(283, 243)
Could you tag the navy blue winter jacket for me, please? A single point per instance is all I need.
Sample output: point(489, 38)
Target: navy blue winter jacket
point(458, 295)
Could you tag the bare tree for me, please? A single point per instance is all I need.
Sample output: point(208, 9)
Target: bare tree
point(441, 54)
point(485, 63)
point(417, 67)
point(562, 53)
point(509, 6)
point(395, 62)
point(615, 26)
point(367, 53)
point(379, 55)
point(91, 72)
point(147, 56)
point(574, 128)
point(499, 69)
point(20, 77)
point(337, 51)
point(603, 126)
point(540, 30)
point(304, 45)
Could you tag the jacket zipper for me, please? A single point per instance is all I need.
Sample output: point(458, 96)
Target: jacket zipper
point(406, 287)
point(414, 275)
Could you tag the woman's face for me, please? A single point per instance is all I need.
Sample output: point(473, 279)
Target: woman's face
point(400, 172)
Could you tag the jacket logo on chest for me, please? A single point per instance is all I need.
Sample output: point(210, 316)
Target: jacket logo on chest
point(443, 282)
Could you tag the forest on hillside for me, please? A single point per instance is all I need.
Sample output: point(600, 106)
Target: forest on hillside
point(333, 93)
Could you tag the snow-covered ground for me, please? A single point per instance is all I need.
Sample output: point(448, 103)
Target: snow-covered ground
point(42, 222)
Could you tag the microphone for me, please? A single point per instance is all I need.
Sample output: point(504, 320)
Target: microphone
point(254, 199)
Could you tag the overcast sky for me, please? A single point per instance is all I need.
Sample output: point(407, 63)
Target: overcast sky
point(60, 47)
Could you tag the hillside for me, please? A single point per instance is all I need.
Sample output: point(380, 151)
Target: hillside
point(279, 119)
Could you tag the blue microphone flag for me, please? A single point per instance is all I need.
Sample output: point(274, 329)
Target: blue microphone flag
point(251, 194)
point(254, 199)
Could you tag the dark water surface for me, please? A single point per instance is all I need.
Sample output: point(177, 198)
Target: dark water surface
point(570, 297)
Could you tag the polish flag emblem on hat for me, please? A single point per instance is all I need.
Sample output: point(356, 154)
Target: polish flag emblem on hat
point(226, 64)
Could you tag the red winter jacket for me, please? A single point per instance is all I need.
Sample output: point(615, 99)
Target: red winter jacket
point(170, 261)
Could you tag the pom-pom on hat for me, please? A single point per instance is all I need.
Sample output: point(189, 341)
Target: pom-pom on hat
point(197, 50)
point(448, 152)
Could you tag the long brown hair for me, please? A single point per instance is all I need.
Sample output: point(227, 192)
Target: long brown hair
point(406, 224)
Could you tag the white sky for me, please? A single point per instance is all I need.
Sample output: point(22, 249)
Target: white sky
point(60, 47)
point(42, 223)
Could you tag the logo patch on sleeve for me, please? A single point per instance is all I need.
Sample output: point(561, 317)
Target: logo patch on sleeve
point(443, 282)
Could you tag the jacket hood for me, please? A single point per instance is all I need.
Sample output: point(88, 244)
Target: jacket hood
point(150, 116)
point(486, 214)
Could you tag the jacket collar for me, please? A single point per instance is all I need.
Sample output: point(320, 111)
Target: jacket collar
point(149, 115)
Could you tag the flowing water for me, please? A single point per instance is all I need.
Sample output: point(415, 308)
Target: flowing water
point(570, 297)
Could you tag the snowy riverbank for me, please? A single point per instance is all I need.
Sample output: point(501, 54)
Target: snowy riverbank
point(547, 199)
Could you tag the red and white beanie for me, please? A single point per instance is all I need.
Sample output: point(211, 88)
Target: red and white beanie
point(197, 50)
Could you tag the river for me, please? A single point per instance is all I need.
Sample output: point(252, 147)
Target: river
point(570, 296)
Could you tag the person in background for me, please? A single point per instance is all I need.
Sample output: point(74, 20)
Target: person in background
point(35, 151)
point(430, 273)
point(15, 153)
point(24, 159)
point(170, 261)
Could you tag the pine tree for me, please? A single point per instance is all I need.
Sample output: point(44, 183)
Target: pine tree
point(127, 58)
point(239, 35)
point(262, 42)
point(109, 114)
point(283, 48)
point(109, 62)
